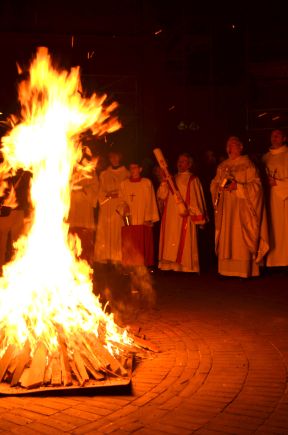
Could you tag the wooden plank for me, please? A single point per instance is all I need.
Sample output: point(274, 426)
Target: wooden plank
point(36, 371)
point(81, 367)
point(65, 366)
point(145, 344)
point(23, 359)
point(24, 377)
point(56, 378)
point(12, 366)
point(89, 366)
point(48, 373)
point(6, 359)
point(86, 349)
point(113, 363)
point(76, 372)
point(125, 348)
point(128, 363)
point(91, 343)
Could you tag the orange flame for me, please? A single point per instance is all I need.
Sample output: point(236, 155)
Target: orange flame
point(45, 285)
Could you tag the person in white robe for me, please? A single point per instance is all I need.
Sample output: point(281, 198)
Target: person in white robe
point(139, 211)
point(108, 233)
point(178, 247)
point(241, 232)
point(81, 219)
point(276, 164)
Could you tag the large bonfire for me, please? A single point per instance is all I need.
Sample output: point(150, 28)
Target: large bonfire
point(53, 330)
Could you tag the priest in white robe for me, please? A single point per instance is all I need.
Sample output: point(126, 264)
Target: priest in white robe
point(276, 163)
point(178, 247)
point(108, 233)
point(241, 232)
point(139, 211)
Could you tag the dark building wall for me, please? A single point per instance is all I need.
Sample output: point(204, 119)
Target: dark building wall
point(183, 79)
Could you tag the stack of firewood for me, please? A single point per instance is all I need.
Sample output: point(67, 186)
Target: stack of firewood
point(83, 361)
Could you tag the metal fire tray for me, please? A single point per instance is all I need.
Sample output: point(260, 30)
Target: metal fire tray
point(107, 386)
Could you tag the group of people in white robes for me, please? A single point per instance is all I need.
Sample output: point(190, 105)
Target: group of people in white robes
point(249, 231)
point(127, 211)
point(251, 218)
point(124, 232)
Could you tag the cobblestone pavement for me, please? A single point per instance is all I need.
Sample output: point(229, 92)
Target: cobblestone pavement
point(222, 367)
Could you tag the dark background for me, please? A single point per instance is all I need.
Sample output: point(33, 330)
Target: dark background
point(185, 76)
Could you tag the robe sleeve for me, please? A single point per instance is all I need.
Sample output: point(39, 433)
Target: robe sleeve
point(87, 191)
point(90, 190)
point(162, 196)
point(251, 186)
point(215, 184)
point(162, 191)
point(102, 190)
point(253, 214)
point(123, 202)
point(151, 211)
point(217, 199)
point(197, 205)
point(281, 189)
point(122, 192)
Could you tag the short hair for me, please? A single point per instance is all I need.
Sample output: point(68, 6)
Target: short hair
point(236, 138)
point(188, 156)
point(280, 130)
point(117, 152)
point(135, 162)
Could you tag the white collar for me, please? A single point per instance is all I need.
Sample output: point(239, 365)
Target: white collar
point(278, 150)
point(184, 173)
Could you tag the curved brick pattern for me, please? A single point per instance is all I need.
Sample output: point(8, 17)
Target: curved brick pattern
point(222, 368)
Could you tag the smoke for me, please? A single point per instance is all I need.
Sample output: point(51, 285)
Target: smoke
point(126, 291)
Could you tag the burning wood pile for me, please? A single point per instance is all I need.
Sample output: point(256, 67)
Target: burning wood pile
point(87, 359)
point(85, 362)
point(54, 332)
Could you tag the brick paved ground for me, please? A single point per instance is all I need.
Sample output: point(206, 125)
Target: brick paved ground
point(222, 367)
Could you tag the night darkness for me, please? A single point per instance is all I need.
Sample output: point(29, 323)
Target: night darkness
point(184, 78)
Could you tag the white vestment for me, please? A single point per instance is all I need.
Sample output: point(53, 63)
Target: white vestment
point(241, 235)
point(108, 234)
point(140, 198)
point(276, 162)
point(84, 198)
point(178, 247)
